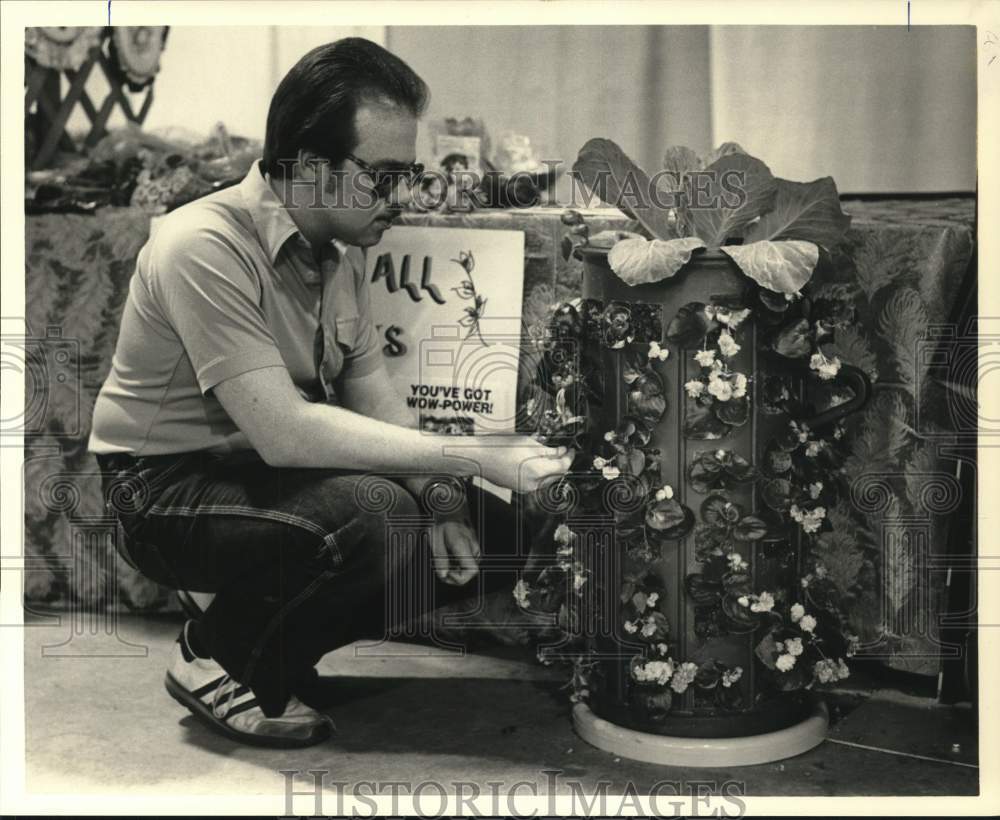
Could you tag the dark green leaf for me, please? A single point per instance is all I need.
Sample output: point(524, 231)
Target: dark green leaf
point(739, 470)
point(646, 398)
point(660, 537)
point(808, 211)
point(794, 341)
point(702, 424)
point(777, 494)
point(718, 511)
point(709, 674)
point(734, 412)
point(690, 326)
point(749, 528)
point(702, 590)
point(606, 170)
point(767, 650)
point(678, 161)
point(656, 705)
point(664, 515)
point(741, 619)
point(566, 246)
point(631, 463)
point(710, 541)
point(724, 150)
point(727, 196)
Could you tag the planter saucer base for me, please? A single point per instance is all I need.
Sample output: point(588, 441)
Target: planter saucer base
point(701, 752)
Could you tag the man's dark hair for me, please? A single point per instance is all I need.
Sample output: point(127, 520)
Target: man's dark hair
point(313, 107)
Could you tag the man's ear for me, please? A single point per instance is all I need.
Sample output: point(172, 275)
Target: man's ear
point(308, 165)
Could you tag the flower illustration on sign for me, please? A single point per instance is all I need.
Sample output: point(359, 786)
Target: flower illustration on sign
point(467, 290)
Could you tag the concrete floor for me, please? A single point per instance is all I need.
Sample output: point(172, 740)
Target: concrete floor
point(103, 720)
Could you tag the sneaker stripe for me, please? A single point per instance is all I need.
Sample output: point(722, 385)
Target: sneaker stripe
point(208, 687)
point(246, 706)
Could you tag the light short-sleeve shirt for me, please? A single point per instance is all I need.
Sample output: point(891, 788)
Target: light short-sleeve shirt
point(225, 285)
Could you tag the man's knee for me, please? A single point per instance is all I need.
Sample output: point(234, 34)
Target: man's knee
point(373, 511)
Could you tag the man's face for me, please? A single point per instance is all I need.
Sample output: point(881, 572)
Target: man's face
point(387, 139)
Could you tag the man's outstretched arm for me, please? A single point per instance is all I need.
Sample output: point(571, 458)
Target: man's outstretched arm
point(289, 431)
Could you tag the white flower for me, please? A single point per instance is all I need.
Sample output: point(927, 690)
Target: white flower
point(806, 580)
point(610, 472)
point(852, 645)
point(811, 521)
point(736, 562)
point(842, 670)
point(797, 611)
point(705, 357)
point(720, 388)
point(794, 646)
point(764, 603)
point(563, 534)
point(801, 429)
point(785, 662)
point(652, 598)
point(820, 569)
point(654, 671)
point(807, 623)
point(739, 385)
point(815, 489)
point(662, 648)
point(599, 463)
point(727, 344)
point(826, 368)
point(579, 579)
point(731, 676)
point(733, 318)
point(521, 590)
point(648, 628)
point(683, 676)
point(813, 448)
point(720, 454)
point(630, 627)
point(657, 352)
point(694, 388)
point(664, 493)
point(743, 600)
point(610, 435)
point(825, 671)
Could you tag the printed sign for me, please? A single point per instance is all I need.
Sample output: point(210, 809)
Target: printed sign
point(447, 302)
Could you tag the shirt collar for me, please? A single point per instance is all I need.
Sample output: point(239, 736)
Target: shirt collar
point(270, 218)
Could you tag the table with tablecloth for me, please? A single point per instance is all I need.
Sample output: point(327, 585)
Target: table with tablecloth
point(906, 262)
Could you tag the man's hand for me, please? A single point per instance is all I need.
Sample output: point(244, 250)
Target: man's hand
point(520, 463)
point(455, 548)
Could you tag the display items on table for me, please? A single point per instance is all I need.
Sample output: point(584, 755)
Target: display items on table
point(144, 169)
point(713, 566)
point(462, 178)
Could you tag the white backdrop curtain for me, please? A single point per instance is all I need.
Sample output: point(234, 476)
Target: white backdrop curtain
point(881, 109)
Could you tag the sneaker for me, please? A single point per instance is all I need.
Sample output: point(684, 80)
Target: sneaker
point(230, 708)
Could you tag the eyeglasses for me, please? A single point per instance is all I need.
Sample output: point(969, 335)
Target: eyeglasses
point(385, 179)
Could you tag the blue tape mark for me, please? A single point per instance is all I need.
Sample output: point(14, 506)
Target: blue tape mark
point(109, 12)
point(907, 13)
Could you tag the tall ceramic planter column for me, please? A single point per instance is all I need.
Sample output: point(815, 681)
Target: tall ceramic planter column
point(755, 723)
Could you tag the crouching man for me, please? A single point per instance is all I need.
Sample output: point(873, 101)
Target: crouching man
point(248, 401)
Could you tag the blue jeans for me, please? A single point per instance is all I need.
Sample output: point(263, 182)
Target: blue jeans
point(299, 559)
